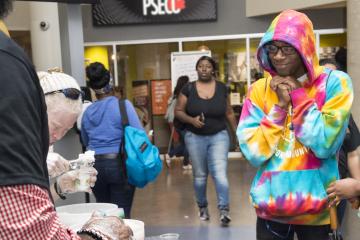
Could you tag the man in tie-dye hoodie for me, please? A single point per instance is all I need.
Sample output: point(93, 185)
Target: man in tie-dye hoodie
point(291, 127)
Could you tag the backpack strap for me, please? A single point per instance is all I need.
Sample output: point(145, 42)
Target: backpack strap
point(123, 113)
point(122, 150)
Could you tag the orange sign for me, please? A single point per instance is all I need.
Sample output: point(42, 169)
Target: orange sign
point(160, 94)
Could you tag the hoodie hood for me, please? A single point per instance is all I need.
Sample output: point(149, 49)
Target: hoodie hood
point(295, 29)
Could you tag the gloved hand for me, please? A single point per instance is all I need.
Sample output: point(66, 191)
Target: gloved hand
point(109, 228)
point(69, 182)
point(56, 164)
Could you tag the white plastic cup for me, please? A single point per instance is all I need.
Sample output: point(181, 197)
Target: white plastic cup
point(118, 212)
point(170, 236)
point(83, 183)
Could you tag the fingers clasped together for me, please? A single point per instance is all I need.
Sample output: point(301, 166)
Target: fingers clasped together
point(283, 86)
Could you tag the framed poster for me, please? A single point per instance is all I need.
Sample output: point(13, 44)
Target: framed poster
point(183, 63)
point(120, 12)
point(160, 94)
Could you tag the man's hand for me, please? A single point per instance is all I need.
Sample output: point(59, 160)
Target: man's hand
point(283, 86)
point(292, 83)
point(282, 91)
point(343, 189)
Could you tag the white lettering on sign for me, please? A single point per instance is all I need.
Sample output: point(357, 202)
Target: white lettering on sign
point(162, 7)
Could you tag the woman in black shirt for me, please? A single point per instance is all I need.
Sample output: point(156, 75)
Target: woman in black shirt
point(204, 107)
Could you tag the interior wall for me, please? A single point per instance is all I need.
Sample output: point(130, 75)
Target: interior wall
point(231, 20)
point(257, 7)
point(19, 19)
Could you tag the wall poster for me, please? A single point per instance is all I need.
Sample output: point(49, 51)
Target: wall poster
point(160, 94)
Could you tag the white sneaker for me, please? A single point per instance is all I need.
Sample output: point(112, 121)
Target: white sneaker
point(168, 160)
point(187, 167)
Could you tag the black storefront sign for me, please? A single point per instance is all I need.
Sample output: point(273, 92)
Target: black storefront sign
point(120, 12)
point(64, 1)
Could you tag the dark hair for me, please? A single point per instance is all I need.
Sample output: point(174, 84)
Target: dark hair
point(341, 59)
point(5, 8)
point(98, 75)
point(211, 61)
point(181, 82)
point(258, 75)
point(324, 61)
point(87, 93)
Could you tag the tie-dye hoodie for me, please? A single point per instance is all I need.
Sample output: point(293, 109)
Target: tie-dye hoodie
point(295, 150)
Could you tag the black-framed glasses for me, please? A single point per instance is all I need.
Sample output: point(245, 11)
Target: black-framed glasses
point(71, 93)
point(286, 50)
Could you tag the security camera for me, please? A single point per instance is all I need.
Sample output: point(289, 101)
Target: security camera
point(44, 25)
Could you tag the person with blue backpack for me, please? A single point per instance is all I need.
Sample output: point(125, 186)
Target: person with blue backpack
point(102, 132)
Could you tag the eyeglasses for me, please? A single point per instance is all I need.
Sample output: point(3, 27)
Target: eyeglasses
point(286, 50)
point(70, 93)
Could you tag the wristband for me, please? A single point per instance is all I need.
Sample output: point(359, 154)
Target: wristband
point(58, 191)
point(92, 233)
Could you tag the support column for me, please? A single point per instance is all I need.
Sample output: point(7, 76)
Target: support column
point(350, 225)
point(72, 41)
point(45, 35)
point(353, 51)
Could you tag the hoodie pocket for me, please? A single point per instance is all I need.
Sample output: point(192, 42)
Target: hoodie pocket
point(289, 193)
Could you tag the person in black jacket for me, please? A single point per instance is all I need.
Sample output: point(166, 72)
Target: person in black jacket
point(26, 207)
point(348, 157)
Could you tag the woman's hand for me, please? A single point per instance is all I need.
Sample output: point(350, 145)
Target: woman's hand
point(68, 181)
point(56, 164)
point(196, 122)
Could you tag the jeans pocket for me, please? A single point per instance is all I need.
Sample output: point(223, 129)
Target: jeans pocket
point(290, 193)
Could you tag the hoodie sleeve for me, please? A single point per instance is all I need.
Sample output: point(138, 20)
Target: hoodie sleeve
point(323, 130)
point(132, 115)
point(258, 132)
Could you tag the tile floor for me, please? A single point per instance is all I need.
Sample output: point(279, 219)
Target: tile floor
point(168, 205)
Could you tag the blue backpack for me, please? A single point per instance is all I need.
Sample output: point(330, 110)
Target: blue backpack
point(140, 158)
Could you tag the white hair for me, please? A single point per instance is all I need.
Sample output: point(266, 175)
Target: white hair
point(65, 105)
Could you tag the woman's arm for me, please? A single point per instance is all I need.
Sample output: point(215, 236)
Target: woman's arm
point(181, 114)
point(344, 189)
point(230, 116)
point(354, 164)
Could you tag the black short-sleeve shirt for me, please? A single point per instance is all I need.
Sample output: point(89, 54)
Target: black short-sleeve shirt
point(214, 109)
point(350, 144)
point(24, 136)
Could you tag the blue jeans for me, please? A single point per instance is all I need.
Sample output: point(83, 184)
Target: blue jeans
point(209, 154)
point(111, 185)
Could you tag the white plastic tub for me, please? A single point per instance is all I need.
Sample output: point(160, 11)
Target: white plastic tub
point(76, 215)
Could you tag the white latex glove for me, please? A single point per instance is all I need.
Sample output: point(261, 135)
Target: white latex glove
point(56, 164)
point(69, 182)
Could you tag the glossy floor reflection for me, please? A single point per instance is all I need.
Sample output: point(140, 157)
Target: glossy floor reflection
point(168, 205)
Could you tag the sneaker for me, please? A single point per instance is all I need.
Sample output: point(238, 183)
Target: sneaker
point(225, 217)
point(168, 160)
point(204, 214)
